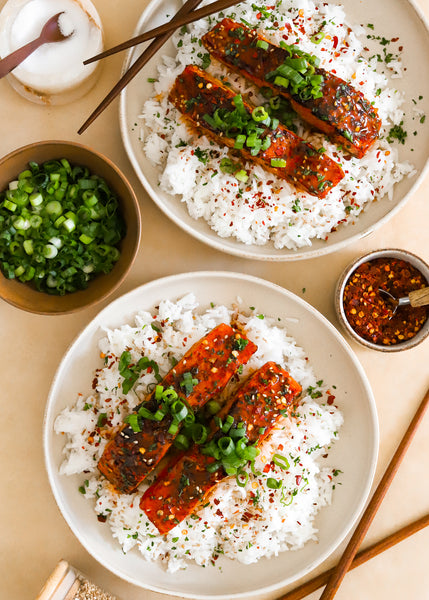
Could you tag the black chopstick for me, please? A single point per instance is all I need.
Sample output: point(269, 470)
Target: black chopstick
point(174, 24)
point(139, 63)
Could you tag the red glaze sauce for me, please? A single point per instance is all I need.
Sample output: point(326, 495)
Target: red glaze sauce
point(370, 314)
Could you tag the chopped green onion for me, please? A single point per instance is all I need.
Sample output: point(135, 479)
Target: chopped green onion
point(281, 461)
point(237, 433)
point(133, 422)
point(50, 251)
point(159, 415)
point(281, 81)
point(199, 433)
point(214, 466)
point(242, 478)
point(169, 394)
point(213, 407)
point(262, 44)
point(146, 414)
point(86, 239)
point(226, 445)
point(21, 223)
point(242, 176)
point(278, 162)
point(53, 208)
point(275, 102)
point(28, 246)
point(227, 166)
point(318, 37)
point(266, 143)
point(36, 199)
point(250, 452)
point(10, 205)
point(259, 114)
point(173, 429)
point(274, 484)
point(181, 442)
point(179, 410)
point(256, 147)
point(227, 424)
point(69, 225)
point(240, 141)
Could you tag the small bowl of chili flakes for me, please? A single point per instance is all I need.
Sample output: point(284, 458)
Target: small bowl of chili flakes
point(367, 315)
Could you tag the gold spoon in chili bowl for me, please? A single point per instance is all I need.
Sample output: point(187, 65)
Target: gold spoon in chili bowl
point(51, 32)
point(415, 299)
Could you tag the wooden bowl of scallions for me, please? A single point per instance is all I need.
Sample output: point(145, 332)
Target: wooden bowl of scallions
point(69, 227)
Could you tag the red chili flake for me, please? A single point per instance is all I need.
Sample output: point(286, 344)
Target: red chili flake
point(298, 479)
point(258, 15)
point(246, 516)
point(368, 311)
point(102, 518)
point(330, 399)
point(94, 383)
point(266, 469)
point(335, 40)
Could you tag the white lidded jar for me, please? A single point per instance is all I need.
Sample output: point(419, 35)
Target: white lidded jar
point(67, 583)
point(54, 73)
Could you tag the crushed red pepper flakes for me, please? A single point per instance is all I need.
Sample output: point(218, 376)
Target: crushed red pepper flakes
point(368, 312)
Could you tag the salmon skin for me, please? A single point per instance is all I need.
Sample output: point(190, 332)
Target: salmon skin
point(184, 483)
point(342, 112)
point(198, 95)
point(130, 456)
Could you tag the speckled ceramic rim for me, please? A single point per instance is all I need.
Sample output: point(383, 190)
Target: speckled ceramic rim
point(414, 260)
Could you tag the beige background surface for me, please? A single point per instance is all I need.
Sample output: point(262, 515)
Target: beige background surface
point(33, 534)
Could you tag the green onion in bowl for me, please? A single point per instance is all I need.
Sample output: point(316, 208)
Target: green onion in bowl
point(60, 226)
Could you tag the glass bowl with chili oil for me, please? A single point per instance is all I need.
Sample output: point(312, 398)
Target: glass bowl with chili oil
point(368, 315)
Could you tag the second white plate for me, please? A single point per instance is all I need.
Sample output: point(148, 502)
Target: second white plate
point(355, 453)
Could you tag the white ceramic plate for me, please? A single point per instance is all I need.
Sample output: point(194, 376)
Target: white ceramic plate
point(391, 18)
point(355, 453)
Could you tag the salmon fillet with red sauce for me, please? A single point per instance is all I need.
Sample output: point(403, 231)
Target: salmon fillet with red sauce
point(186, 482)
point(198, 95)
point(342, 112)
point(130, 456)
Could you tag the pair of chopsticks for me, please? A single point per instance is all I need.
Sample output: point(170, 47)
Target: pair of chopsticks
point(185, 15)
point(350, 560)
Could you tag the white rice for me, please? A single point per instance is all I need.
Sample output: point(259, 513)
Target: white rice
point(266, 208)
point(242, 523)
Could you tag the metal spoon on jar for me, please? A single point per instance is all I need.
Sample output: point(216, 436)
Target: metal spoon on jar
point(415, 298)
point(51, 32)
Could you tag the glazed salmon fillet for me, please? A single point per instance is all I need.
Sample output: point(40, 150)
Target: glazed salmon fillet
point(186, 482)
point(202, 98)
point(206, 368)
point(341, 112)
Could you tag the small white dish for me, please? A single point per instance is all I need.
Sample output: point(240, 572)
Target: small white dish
point(390, 18)
point(355, 452)
point(54, 73)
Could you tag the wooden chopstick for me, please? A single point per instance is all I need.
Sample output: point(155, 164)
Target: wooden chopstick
point(363, 556)
point(138, 64)
point(343, 566)
point(174, 24)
